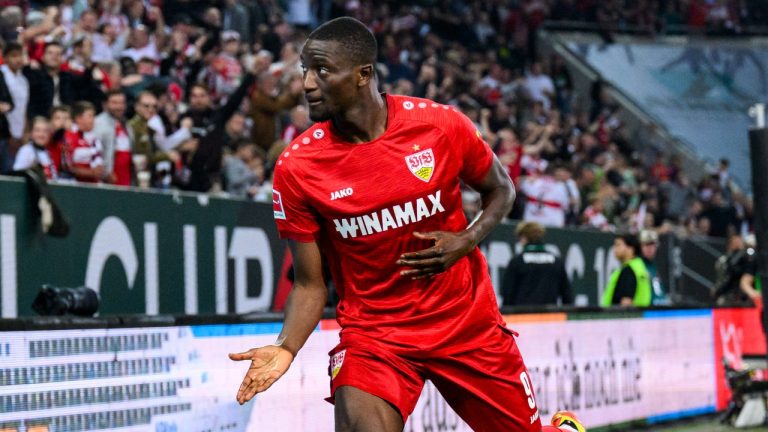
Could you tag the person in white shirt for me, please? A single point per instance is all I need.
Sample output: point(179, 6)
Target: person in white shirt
point(593, 215)
point(563, 174)
point(142, 45)
point(540, 87)
point(547, 199)
point(13, 56)
point(110, 129)
point(108, 43)
point(35, 152)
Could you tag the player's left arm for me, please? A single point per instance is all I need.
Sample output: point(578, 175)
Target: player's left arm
point(498, 194)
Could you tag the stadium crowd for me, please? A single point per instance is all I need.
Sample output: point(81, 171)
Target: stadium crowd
point(204, 96)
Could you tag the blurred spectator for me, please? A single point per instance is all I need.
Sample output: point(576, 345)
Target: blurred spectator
point(184, 59)
point(13, 57)
point(80, 56)
point(649, 244)
point(61, 122)
point(536, 143)
point(234, 131)
point(563, 175)
point(243, 172)
point(510, 153)
point(112, 15)
point(142, 136)
point(268, 101)
point(109, 42)
point(299, 123)
point(288, 65)
point(235, 18)
point(224, 73)
point(540, 86)
point(724, 178)
point(678, 195)
point(11, 19)
point(110, 129)
point(660, 172)
point(471, 204)
point(82, 151)
point(35, 152)
point(6, 106)
point(209, 126)
point(721, 216)
point(52, 86)
point(547, 199)
point(561, 78)
point(593, 215)
point(141, 76)
point(143, 44)
point(629, 285)
point(535, 276)
point(166, 134)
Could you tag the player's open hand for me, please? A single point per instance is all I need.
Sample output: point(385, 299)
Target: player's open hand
point(268, 364)
point(448, 248)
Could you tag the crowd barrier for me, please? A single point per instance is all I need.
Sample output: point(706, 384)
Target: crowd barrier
point(171, 252)
point(168, 373)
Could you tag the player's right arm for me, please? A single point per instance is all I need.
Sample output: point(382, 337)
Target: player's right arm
point(302, 313)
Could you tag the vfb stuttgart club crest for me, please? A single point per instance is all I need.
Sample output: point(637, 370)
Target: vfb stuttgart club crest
point(421, 164)
point(336, 361)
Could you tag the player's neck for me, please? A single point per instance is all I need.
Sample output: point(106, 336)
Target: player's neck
point(365, 122)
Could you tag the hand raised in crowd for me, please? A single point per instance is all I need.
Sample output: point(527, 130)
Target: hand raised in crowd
point(447, 249)
point(261, 64)
point(4, 107)
point(186, 123)
point(268, 364)
point(296, 86)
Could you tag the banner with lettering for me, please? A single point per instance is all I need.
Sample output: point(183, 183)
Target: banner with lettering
point(738, 332)
point(172, 252)
point(615, 368)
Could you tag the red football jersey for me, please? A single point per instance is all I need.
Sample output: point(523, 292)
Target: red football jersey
point(82, 150)
point(363, 202)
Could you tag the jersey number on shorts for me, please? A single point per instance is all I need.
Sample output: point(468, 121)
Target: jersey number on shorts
point(528, 391)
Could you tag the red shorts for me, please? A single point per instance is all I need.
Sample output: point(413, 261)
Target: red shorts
point(488, 387)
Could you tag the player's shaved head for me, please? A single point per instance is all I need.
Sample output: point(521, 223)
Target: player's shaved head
point(359, 44)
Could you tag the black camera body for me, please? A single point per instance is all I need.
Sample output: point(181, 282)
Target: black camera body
point(80, 301)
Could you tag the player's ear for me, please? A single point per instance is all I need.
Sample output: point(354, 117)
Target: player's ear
point(365, 75)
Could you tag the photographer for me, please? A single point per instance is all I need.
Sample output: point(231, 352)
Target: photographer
point(735, 284)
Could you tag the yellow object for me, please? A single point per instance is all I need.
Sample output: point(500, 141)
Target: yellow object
point(569, 420)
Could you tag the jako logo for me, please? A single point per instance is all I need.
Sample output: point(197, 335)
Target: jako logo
point(341, 193)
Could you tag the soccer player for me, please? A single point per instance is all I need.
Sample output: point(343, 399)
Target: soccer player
point(374, 188)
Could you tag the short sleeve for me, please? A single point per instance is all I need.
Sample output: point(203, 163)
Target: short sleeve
point(294, 217)
point(476, 155)
point(25, 158)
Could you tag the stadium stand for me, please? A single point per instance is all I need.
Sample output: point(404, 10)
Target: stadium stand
point(225, 78)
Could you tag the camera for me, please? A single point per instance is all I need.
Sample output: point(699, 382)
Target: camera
point(80, 301)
